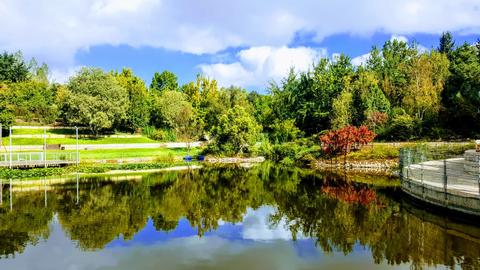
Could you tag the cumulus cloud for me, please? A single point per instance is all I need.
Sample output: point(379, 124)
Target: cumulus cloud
point(399, 38)
point(61, 75)
point(360, 60)
point(256, 66)
point(55, 30)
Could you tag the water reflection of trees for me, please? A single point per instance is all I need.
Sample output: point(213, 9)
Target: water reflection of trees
point(26, 224)
point(392, 233)
point(338, 214)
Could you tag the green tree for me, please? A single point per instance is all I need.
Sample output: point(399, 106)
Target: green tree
point(367, 96)
point(447, 45)
point(461, 98)
point(13, 67)
point(33, 100)
point(164, 81)
point(422, 97)
point(205, 97)
point(7, 117)
point(307, 97)
point(342, 110)
point(138, 113)
point(38, 73)
point(394, 75)
point(236, 132)
point(375, 61)
point(283, 131)
point(96, 100)
point(262, 108)
point(232, 96)
point(175, 112)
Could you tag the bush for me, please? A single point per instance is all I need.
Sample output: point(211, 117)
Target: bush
point(165, 135)
point(170, 157)
point(301, 152)
point(282, 151)
point(149, 131)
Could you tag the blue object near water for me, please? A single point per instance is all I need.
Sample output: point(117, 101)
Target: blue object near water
point(201, 158)
point(188, 158)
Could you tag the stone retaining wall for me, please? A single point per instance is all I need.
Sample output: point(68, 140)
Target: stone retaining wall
point(374, 166)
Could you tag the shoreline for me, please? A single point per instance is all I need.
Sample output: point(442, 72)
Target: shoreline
point(373, 166)
point(115, 175)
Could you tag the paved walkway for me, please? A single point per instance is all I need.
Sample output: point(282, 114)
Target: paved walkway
point(432, 173)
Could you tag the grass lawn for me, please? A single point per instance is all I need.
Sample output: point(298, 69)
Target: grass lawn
point(162, 154)
point(39, 141)
point(377, 151)
point(159, 153)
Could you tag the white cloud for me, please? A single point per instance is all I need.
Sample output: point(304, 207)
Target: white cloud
point(360, 60)
point(256, 66)
point(61, 75)
point(399, 38)
point(55, 30)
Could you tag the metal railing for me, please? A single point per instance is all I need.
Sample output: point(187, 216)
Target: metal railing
point(443, 177)
point(38, 156)
point(18, 159)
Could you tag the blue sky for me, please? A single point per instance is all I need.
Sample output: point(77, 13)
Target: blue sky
point(246, 43)
point(147, 60)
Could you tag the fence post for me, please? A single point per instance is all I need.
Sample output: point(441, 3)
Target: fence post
point(10, 162)
point(45, 146)
point(408, 163)
point(76, 137)
point(11, 203)
point(400, 163)
point(421, 174)
point(478, 178)
point(445, 178)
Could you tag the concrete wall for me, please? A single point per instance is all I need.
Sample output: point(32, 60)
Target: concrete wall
point(437, 196)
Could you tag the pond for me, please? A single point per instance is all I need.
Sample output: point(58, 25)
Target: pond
point(228, 218)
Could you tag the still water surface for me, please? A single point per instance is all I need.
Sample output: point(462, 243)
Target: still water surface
point(224, 218)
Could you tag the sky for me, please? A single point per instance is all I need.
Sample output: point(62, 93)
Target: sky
point(244, 43)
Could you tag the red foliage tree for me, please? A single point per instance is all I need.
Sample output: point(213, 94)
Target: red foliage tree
point(343, 140)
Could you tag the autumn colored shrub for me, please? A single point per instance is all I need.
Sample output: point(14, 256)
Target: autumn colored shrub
point(346, 139)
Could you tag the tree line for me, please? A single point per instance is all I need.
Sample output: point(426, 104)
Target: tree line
point(400, 92)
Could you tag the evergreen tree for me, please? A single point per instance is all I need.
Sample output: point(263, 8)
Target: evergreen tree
point(446, 44)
